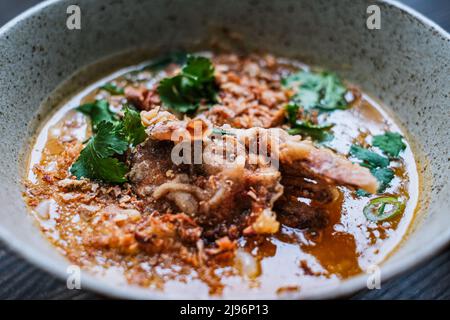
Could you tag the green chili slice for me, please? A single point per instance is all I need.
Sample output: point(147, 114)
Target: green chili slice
point(383, 208)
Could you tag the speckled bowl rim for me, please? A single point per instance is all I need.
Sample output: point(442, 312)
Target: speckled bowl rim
point(343, 289)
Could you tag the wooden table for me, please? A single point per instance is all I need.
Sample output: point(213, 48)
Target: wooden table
point(21, 280)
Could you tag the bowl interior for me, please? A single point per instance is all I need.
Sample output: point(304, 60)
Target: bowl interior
point(405, 64)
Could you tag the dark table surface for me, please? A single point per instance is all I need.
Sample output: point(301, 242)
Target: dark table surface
point(431, 280)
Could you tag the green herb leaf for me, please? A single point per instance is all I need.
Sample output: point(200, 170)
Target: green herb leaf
point(176, 95)
point(132, 127)
point(315, 131)
point(108, 140)
point(291, 112)
point(95, 160)
point(384, 208)
point(390, 143)
point(98, 111)
point(384, 177)
point(369, 158)
point(323, 91)
point(377, 165)
point(113, 89)
point(198, 69)
point(195, 83)
point(108, 170)
point(362, 193)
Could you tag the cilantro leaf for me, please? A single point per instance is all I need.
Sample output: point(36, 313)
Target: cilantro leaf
point(132, 128)
point(98, 111)
point(369, 158)
point(108, 140)
point(390, 143)
point(113, 89)
point(384, 177)
point(335, 91)
point(291, 112)
point(176, 95)
point(319, 132)
point(88, 165)
point(377, 165)
point(323, 91)
point(111, 170)
point(362, 193)
point(199, 69)
point(194, 84)
point(98, 159)
point(315, 131)
point(95, 160)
